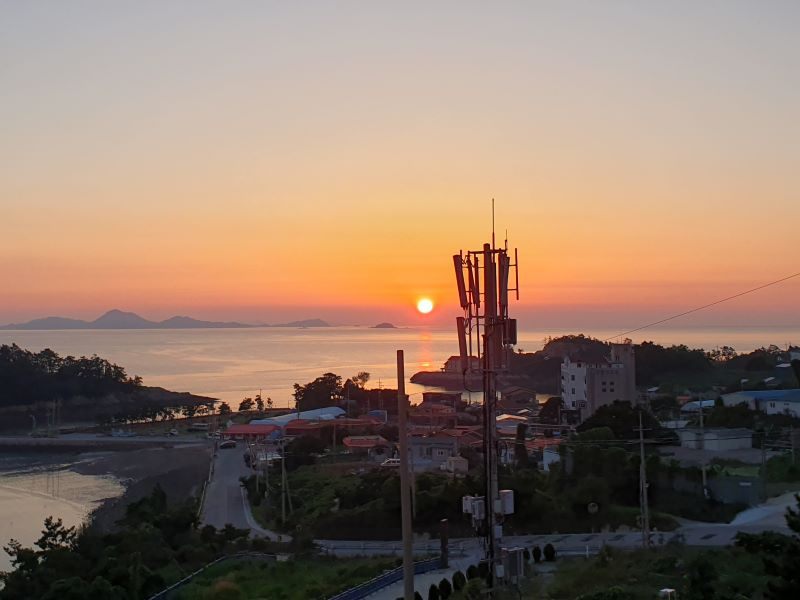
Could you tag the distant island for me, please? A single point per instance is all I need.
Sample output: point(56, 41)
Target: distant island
point(117, 319)
point(306, 323)
point(384, 326)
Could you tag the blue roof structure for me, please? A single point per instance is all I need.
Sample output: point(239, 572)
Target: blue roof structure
point(792, 395)
point(318, 414)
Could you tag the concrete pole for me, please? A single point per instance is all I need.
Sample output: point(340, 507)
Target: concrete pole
point(405, 488)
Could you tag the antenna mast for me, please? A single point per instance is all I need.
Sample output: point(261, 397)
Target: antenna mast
point(487, 310)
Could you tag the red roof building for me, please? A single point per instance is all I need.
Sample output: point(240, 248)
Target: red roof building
point(250, 432)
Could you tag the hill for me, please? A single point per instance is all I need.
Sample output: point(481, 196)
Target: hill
point(118, 319)
point(305, 323)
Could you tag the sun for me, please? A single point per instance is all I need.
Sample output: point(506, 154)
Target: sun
point(425, 305)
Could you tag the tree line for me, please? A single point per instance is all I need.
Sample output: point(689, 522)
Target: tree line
point(28, 377)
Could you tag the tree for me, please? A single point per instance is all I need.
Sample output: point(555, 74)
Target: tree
point(260, 403)
point(702, 577)
point(433, 592)
point(722, 355)
point(360, 379)
point(796, 369)
point(520, 450)
point(537, 554)
point(549, 552)
point(445, 588)
point(472, 572)
point(246, 404)
point(323, 391)
point(269, 403)
point(780, 554)
point(224, 409)
point(622, 419)
point(459, 581)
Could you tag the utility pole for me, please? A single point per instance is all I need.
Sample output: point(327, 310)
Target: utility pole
point(703, 448)
point(405, 488)
point(645, 511)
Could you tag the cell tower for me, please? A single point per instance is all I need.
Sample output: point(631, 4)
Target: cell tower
point(485, 336)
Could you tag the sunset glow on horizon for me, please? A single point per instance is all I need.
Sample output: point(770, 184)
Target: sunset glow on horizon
point(272, 162)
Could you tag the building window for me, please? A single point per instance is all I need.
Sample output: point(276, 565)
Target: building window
point(573, 378)
point(573, 390)
point(772, 405)
point(579, 365)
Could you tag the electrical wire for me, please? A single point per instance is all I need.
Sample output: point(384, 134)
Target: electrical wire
point(709, 305)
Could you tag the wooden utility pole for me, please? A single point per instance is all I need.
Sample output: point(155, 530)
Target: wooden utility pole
point(643, 488)
point(703, 448)
point(405, 488)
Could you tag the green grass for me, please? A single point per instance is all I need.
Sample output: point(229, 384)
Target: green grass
point(641, 574)
point(291, 580)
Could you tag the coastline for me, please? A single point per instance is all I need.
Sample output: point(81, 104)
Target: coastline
point(179, 470)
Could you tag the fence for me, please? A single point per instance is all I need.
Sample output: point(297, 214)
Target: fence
point(386, 579)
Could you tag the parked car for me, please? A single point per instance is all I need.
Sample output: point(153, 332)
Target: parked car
point(391, 462)
point(227, 444)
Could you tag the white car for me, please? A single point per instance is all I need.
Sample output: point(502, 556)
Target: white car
point(391, 462)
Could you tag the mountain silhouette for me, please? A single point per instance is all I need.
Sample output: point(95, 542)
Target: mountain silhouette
point(118, 319)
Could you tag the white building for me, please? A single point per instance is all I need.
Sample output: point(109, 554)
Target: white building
point(719, 439)
point(771, 402)
point(590, 380)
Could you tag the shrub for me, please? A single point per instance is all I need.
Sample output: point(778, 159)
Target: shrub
point(474, 589)
point(445, 589)
point(549, 553)
point(526, 554)
point(224, 590)
point(459, 581)
point(483, 570)
point(537, 554)
point(472, 572)
point(417, 596)
point(433, 592)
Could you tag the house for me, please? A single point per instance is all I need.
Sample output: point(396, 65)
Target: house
point(516, 397)
point(372, 446)
point(252, 433)
point(453, 364)
point(432, 450)
point(589, 380)
point(771, 402)
point(717, 439)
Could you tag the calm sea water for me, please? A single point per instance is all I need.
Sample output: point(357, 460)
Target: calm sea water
point(233, 363)
point(33, 487)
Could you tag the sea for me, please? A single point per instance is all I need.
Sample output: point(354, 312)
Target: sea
point(231, 364)
point(35, 486)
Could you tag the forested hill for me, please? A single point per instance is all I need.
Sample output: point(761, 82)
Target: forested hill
point(29, 377)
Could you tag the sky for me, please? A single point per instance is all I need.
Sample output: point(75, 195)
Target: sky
point(265, 161)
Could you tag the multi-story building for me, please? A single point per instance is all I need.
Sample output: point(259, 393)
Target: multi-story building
point(590, 380)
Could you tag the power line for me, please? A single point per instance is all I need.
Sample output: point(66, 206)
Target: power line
point(709, 305)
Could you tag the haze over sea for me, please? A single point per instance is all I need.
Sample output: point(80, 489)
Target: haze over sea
point(233, 363)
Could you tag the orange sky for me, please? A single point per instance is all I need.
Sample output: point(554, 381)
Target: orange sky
point(267, 162)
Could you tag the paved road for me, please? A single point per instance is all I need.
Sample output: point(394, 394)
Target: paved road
point(223, 500)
